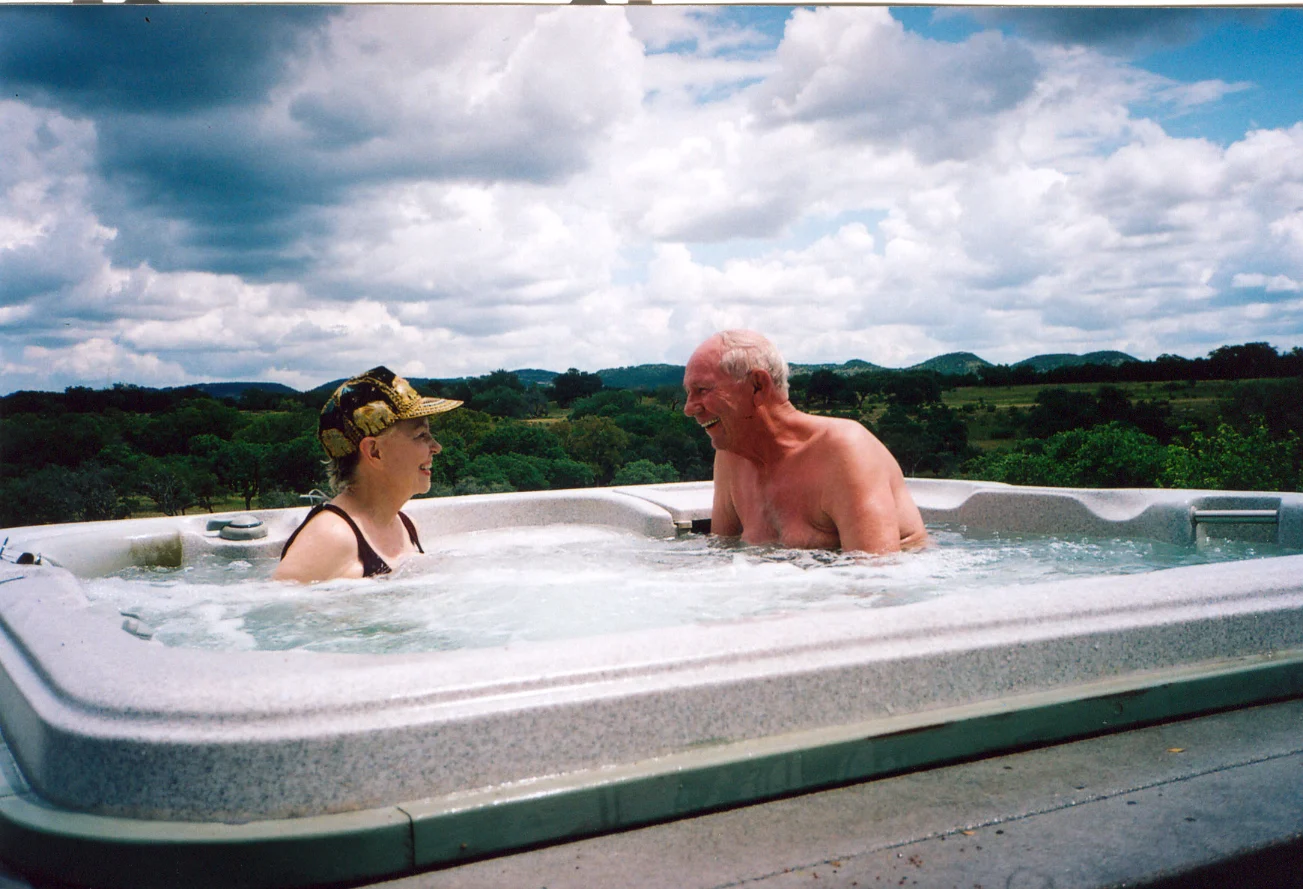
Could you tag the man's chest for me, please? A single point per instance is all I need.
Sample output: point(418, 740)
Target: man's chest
point(783, 506)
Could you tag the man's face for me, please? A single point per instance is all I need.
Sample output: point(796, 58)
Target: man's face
point(718, 402)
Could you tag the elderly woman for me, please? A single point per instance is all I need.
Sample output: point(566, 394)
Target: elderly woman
point(376, 432)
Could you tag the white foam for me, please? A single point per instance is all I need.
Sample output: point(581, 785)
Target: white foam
point(562, 581)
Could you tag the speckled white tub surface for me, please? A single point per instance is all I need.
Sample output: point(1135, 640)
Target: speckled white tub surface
point(102, 721)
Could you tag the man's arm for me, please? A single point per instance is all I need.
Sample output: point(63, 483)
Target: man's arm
point(724, 519)
point(858, 497)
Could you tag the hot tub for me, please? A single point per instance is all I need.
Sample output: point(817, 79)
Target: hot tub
point(131, 763)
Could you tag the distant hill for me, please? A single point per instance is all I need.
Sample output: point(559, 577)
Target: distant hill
point(1051, 362)
point(533, 375)
point(846, 368)
point(530, 376)
point(651, 376)
point(642, 376)
point(953, 364)
point(235, 390)
point(327, 389)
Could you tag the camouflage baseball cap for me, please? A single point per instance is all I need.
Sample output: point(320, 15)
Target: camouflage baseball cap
point(368, 404)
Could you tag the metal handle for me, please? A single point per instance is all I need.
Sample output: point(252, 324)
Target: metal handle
point(1236, 516)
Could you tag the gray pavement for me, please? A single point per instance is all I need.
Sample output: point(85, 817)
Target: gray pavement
point(1211, 801)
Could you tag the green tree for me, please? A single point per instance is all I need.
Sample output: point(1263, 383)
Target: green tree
point(669, 396)
point(502, 401)
point(38, 497)
point(449, 467)
point(33, 441)
point(1229, 459)
point(867, 384)
point(827, 388)
point(521, 472)
point(169, 482)
point(1061, 410)
point(465, 423)
point(907, 439)
point(597, 441)
point(1018, 467)
point(521, 438)
point(680, 441)
point(1244, 362)
point(88, 493)
point(239, 466)
point(296, 465)
point(645, 472)
point(499, 378)
point(567, 473)
point(912, 390)
point(473, 485)
point(1277, 404)
point(607, 403)
point(573, 384)
point(1109, 456)
point(933, 439)
point(277, 427)
point(254, 399)
point(170, 433)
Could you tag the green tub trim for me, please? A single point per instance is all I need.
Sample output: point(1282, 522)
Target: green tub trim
point(84, 849)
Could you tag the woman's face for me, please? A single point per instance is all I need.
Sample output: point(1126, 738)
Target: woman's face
point(409, 449)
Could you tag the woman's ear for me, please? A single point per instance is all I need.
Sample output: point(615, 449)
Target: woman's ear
point(369, 448)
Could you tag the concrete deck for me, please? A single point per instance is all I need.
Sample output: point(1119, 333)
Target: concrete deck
point(1212, 801)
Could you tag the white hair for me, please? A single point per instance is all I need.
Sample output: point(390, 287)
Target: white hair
point(745, 351)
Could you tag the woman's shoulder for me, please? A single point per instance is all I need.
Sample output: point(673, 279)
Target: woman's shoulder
point(329, 522)
point(324, 546)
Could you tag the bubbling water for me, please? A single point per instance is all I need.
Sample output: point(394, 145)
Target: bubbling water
point(565, 581)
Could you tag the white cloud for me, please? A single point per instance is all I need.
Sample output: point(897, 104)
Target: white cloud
point(1269, 283)
point(596, 188)
point(49, 236)
point(100, 360)
point(519, 93)
point(861, 75)
point(463, 249)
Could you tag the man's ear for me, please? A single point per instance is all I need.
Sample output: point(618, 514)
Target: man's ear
point(761, 384)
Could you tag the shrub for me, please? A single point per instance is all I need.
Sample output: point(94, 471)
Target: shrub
point(1108, 456)
point(645, 472)
point(1233, 460)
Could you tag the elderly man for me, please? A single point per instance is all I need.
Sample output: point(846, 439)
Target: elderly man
point(787, 477)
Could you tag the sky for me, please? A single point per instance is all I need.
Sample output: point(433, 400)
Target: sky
point(295, 194)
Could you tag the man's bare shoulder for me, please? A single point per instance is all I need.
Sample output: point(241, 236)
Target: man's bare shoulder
point(838, 433)
point(846, 445)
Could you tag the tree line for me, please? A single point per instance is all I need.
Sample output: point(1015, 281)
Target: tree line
point(1247, 439)
point(86, 454)
point(1239, 362)
point(89, 455)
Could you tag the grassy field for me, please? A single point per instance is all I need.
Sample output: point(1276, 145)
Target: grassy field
point(220, 504)
point(1195, 396)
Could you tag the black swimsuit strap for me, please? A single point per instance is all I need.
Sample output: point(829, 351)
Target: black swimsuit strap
point(312, 513)
point(411, 532)
point(372, 563)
